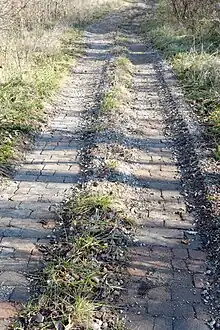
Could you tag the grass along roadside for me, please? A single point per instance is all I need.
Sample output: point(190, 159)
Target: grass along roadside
point(194, 56)
point(22, 96)
point(37, 47)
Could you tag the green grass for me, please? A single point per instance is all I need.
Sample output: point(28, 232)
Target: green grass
point(119, 80)
point(22, 97)
point(76, 270)
point(111, 100)
point(111, 164)
point(87, 203)
point(195, 59)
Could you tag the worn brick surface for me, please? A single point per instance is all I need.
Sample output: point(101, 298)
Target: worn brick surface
point(196, 266)
point(163, 323)
point(199, 280)
point(197, 254)
point(190, 324)
point(159, 293)
point(141, 322)
point(172, 275)
point(20, 294)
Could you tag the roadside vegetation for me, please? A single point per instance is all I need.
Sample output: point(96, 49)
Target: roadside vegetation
point(38, 42)
point(188, 34)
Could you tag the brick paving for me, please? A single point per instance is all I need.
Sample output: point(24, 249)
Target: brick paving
point(28, 204)
point(168, 263)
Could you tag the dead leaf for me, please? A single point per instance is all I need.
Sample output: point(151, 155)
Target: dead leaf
point(185, 241)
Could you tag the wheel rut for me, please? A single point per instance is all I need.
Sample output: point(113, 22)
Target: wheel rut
point(168, 260)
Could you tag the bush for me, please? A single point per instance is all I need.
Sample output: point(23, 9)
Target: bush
point(194, 14)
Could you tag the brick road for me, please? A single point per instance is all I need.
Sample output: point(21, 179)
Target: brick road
point(168, 263)
point(167, 268)
point(28, 203)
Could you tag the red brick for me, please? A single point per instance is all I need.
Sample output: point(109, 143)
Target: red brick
point(179, 264)
point(161, 253)
point(199, 281)
point(182, 278)
point(161, 293)
point(8, 310)
point(185, 295)
point(141, 251)
point(160, 308)
point(163, 323)
point(201, 312)
point(136, 272)
point(180, 254)
point(182, 310)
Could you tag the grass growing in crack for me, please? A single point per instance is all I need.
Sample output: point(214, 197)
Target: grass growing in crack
point(120, 50)
point(84, 311)
point(120, 80)
point(194, 56)
point(80, 276)
point(87, 203)
point(121, 39)
point(111, 164)
point(111, 100)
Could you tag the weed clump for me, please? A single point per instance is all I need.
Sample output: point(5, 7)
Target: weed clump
point(81, 274)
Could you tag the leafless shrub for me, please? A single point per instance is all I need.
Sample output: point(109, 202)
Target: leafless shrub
point(192, 14)
point(30, 26)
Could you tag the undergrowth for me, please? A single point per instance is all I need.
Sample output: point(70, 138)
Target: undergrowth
point(194, 56)
point(81, 278)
